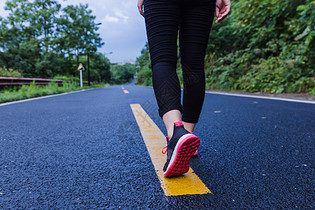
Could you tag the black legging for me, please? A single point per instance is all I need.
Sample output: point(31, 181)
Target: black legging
point(193, 19)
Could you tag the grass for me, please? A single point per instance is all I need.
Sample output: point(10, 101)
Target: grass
point(32, 90)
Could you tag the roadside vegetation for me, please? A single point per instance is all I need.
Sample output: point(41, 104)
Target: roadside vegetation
point(4, 72)
point(29, 91)
point(262, 46)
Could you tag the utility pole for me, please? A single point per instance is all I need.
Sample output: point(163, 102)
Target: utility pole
point(88, 60)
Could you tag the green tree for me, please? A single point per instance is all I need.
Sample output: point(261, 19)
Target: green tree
point(77, 31)
point(27, 33)
point(122, 73)
point(40, 40)
point(99, 68)
point(43, 18)
point(32, 20)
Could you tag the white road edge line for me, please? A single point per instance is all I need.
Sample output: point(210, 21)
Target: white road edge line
point(263, 97)
point(41, 97)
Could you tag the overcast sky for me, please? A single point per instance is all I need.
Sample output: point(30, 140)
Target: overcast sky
point(122, 29)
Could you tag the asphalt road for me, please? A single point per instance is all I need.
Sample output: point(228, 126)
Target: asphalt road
point(85, 150)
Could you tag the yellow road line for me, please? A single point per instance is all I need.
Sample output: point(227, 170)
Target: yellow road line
point(154, 139)
point(126, 91)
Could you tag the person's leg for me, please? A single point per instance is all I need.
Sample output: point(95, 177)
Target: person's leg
point(194, 34)
point(162, 20)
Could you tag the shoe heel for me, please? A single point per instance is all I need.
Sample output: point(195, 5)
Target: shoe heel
point(185, 150)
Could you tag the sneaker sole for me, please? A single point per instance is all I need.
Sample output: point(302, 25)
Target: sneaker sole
point(184, 149)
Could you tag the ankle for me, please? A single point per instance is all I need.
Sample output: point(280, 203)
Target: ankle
point(189, 126)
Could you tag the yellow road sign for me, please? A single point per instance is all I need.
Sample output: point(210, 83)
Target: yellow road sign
point(81, 67)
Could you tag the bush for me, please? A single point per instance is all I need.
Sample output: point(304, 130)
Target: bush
point(67, 78)
point(33, 90)
point(4, 72)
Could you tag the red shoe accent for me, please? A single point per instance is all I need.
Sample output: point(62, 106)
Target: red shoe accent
point(179, 123)
point(184, 151)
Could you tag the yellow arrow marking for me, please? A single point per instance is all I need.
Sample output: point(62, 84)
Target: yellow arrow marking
point(154, 139)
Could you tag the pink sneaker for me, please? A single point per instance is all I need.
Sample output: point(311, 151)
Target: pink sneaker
point(180, 148)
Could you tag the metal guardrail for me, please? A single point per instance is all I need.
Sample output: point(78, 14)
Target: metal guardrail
point(13, 81)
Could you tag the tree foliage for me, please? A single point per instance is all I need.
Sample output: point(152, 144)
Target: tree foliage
point(76, 31)
point(41, 39)
point(99, 67)
point(122, 73)
point(143, 69)
point(262, 45)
